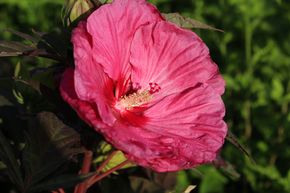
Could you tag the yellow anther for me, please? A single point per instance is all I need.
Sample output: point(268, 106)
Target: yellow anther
point(134, 100)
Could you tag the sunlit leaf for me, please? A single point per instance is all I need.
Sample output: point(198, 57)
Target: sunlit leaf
point(277, 89)
point(105, 150)
point(186, 22)
point(182, 181)
point(103, 1)
point(18, 96)
point(118, 158)
point(17, 69)
point(212, 181)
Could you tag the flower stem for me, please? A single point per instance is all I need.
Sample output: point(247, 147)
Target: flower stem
point(82, 187)
point(61, 190)
point(101, 167)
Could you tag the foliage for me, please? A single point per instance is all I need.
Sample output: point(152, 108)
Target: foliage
point(253, 55)
point(42, 139)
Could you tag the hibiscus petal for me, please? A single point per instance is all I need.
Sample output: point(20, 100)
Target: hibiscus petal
point(194, 119)
point(174, 58)
point(112, 27)
point(91, 83)
point(89, 75)
point(192, 113)
point(85, 110)
point(181, 131)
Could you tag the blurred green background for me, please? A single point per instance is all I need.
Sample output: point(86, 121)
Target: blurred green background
point(254, 57)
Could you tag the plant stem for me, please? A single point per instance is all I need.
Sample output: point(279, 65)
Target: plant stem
point(81, 188)
point(101, 167)
point(61, 190)
point(250, 68)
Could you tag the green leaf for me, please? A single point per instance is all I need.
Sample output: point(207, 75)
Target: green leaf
point(17, 69)
point(118, 158)
point(50, 144)
point(79, 8)
point(63, 181)
point(277, 89)
point(186, 22)
point(9, 159)
point(18, 96)
point(26, 91)
point(21, 72)
point(182, 181)
point(103, 1)
point(213, 181)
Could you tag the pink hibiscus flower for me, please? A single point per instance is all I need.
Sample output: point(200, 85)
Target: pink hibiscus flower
point(147, 85)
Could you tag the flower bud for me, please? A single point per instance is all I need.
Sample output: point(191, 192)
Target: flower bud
point(77, 8)
point(80, 7)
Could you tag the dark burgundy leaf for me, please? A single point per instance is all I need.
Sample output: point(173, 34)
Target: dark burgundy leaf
point(9, 159)
point(24, 35)
point(50, 144)
point(63, 181)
